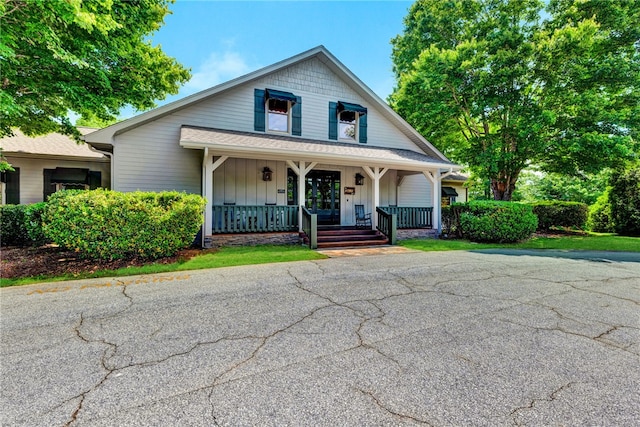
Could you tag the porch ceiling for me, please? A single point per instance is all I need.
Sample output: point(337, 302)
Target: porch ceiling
point(276, 147)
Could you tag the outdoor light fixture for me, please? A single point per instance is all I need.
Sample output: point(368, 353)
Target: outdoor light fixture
point(266, 174)
point(359, 179)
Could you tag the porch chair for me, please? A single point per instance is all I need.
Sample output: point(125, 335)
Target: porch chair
point(363, 220)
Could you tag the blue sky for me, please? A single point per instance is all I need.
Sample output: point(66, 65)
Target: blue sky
point(220, 40)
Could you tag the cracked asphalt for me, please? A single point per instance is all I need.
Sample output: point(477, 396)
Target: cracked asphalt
point(436, 339)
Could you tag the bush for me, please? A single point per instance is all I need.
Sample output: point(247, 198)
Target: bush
point(560, 214)
point(12, 225)
point(600, 215)
point(110, 225)
point(500, 222)
point(624, 197)
point(33, 223)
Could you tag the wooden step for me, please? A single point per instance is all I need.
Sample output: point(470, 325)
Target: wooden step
point(346, 244)
point(349, 238)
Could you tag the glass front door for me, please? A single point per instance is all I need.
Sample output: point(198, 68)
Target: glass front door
point(322, 196)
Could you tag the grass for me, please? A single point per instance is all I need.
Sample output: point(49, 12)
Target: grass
point(225, 257)
point(590, 242)
point(234, 256)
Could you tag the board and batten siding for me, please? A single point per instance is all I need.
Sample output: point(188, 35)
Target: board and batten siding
point(239, 181)
point(415, 191)
point(32, 174)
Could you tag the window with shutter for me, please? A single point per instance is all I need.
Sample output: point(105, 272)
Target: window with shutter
point(347, 122)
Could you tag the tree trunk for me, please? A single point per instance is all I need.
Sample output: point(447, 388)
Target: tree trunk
point(503, 188)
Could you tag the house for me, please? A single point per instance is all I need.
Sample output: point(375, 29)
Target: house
point(304, 132)
point(453, 189)
point(47, 163)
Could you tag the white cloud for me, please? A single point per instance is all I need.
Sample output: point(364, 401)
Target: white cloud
point(217, 68)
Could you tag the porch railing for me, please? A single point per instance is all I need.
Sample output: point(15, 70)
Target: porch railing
point(388, 225)
point(310, 227)
point(254, 219)
point(410, 217)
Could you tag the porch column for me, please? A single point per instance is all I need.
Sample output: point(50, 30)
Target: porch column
point(375, 174)
point(436, 184)
point(301, 169)
point(207, 189)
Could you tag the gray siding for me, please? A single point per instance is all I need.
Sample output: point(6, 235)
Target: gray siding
point(32, 175)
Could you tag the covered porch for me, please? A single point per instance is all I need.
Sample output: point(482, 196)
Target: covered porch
point(258, 183)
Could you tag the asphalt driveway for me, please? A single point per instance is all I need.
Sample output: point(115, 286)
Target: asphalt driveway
point(442, 339)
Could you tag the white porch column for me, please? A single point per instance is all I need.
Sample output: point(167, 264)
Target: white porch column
point(375, 174)
point(301, 170)
point(209, 167)
point(436, 184)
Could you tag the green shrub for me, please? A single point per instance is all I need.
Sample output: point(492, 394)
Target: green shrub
point(600, 215)
point(110, 225)
point(33, 223)
point(560, 214)
point(12, 225)
point(500, 222)
point(624, 197)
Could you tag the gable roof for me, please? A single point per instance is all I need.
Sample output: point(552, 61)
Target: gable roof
point(103, 139)
point(54, 145)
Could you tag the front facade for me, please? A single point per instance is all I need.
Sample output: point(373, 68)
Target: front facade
point(48, 163)
point(302, 132)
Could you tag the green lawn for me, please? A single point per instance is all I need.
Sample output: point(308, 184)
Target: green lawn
point(225, 257)
point(592, 241)
point(228, 257)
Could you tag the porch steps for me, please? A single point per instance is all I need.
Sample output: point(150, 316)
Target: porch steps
point(350, 237)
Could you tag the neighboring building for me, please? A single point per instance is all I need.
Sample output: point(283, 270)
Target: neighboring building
point(250, 145)
point(454, 190)
point(45, 164)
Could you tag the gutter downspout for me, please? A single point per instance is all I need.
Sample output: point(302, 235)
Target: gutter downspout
point(111, 165)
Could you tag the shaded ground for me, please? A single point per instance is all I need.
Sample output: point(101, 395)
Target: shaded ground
point(52, 261)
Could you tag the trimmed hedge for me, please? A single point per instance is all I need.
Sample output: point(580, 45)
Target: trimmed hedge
point(33, 223)
point(12, 225)
point(499, 222)
point(560, 214)
point(489, 221)
point(110, 225)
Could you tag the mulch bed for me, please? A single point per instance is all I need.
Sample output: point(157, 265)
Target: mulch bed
point(50, 260)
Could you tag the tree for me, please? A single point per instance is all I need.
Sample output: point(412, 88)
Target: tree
point(624, 197)
point(92, 58)
point(500, 85)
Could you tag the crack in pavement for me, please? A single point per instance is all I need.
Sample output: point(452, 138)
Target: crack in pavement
point(380, 405)
point(532, 403)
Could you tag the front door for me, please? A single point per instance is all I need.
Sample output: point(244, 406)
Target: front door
point(322, 196)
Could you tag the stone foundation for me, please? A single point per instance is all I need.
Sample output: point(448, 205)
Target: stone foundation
point(417, 233)
point(252, 239)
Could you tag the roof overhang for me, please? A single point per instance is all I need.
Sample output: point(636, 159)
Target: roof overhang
point(275, 147)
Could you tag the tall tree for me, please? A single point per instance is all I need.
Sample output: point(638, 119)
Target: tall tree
point(503, 84)
point(88, 57)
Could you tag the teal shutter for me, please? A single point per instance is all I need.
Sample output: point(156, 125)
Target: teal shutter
point(296, 117)
point(259, 113)
point(12, 189)
point(333, 120)
point(362, 129)
point(95, 180)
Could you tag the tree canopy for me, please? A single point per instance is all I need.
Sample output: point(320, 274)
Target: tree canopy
point(91, 58)
point(504, 84)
